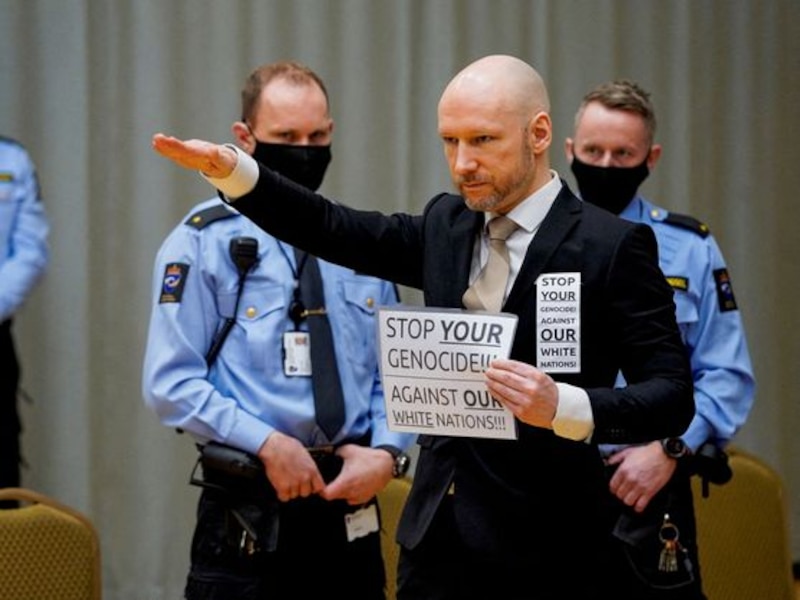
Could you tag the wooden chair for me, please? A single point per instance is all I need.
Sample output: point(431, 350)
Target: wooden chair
point(48, 551)
point(391, 501)
point(743, 534)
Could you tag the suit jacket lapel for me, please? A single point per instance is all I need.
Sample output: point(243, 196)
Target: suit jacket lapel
point(461, 243)
point(559, 221)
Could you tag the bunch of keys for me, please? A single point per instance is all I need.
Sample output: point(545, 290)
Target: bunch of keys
point(668, 535)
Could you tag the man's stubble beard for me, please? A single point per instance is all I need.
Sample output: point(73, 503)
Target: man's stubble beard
point(518, 180)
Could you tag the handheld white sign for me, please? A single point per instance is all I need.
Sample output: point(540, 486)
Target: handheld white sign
point(432, 364)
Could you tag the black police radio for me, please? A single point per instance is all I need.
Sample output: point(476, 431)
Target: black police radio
point(244, 253)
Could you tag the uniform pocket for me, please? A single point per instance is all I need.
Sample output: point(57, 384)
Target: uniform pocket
point(685, 311)
point(645, 549)
point(359, 325)
point(261, 320)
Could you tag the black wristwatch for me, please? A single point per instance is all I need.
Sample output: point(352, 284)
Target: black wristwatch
point(401, 460)
point(675, 447)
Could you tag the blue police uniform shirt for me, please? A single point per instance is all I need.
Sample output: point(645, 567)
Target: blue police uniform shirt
point(246, 395)
point(709, 320)
point(23, 228)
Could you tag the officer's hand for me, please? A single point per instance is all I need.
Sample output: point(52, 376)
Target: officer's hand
point(641, 473)
point(530, 394)
point(365, 472)
point(214, 160)
point(290, 468)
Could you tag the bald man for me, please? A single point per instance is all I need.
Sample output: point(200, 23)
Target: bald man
point(510, 519)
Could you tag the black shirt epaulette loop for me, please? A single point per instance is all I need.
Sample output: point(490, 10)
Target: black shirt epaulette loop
point(9, 140)
point(208, 215)
point(687, 222)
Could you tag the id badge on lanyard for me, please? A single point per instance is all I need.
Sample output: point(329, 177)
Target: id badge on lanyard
point(297, 354)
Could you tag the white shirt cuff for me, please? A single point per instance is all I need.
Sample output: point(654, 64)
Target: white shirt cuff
point(574, 419)
point(241, 181)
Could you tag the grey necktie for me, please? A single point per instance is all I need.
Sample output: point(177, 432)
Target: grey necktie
point(489, 288)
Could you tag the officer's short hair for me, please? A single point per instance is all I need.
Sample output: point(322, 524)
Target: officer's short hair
point(292, 71)
point(623, 94)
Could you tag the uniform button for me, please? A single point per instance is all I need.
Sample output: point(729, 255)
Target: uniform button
point(250, 312)
point(370, 302)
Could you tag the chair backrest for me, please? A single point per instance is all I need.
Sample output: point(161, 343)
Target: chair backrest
point(743, 534)
point(391, 501)
point(49, 551)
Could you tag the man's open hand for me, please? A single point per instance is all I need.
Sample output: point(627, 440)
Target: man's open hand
point(214, 160)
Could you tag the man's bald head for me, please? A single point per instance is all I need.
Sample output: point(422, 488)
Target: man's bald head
point(495, 124)
point(509, 83)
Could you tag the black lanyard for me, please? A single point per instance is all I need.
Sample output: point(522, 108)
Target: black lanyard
point(297, 310)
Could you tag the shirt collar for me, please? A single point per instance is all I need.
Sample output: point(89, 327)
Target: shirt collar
point(635, 211)
point(530, 213)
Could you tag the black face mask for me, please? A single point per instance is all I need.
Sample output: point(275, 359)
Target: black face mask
point(611, 188)
point(305, 165)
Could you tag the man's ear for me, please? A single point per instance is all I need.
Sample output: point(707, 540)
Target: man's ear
point(655, 154)
point(541, 132)
point(569, 149)
point(243, 137)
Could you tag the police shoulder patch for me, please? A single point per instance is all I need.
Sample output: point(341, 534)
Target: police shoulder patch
point(725, 296)
point(173, 282)
point(208, 215)
point(687, 222)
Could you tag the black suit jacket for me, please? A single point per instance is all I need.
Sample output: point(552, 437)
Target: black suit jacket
point(539, 496)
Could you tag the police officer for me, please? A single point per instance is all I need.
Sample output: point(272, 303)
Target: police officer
point(611, 154)
point(309, 507)
point(23, 259)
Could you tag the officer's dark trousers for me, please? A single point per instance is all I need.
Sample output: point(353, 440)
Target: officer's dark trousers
point(636, 548)
point(312, 559)
point(9, 417)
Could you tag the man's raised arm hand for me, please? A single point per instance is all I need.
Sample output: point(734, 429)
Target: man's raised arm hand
point(213, 160)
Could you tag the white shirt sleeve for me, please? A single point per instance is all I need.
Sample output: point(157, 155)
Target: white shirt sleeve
point(241, 181)
point(574, 419)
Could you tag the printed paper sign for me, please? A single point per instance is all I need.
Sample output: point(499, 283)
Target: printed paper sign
point(432, 364)
point(558, 322)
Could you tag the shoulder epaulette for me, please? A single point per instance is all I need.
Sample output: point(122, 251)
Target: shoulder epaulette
point(208, 215)
point(687, 222)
